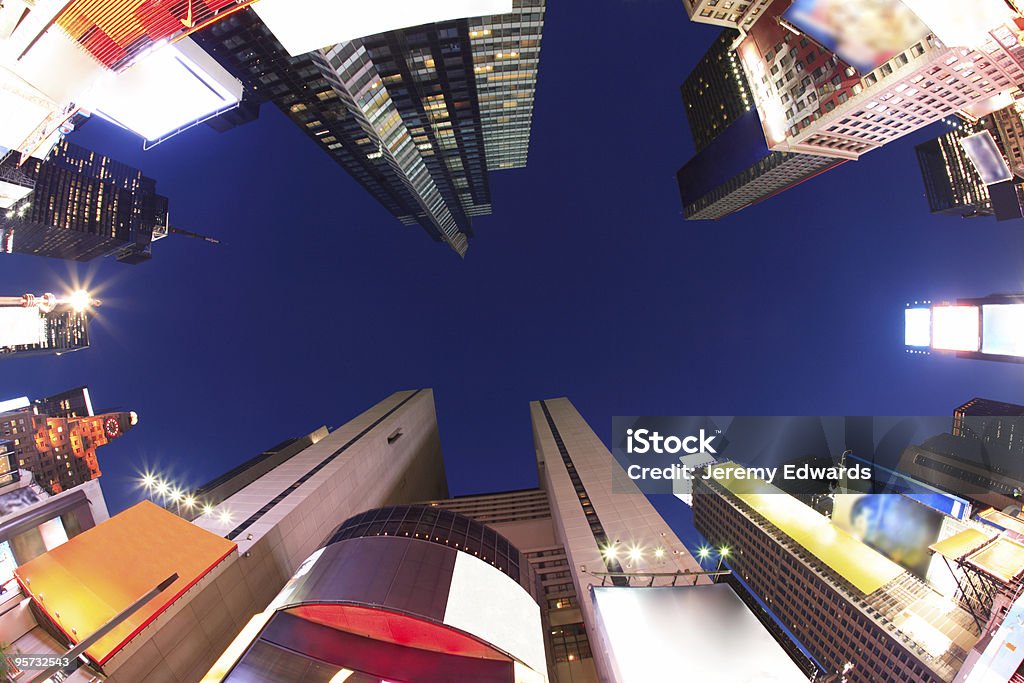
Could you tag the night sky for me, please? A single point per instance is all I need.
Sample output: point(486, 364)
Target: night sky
point(586, 282)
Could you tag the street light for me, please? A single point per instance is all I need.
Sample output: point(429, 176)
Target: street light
point(78, 300)
point(723, 553)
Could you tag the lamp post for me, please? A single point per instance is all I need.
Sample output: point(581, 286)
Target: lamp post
point(78, 300)
point(723, 553)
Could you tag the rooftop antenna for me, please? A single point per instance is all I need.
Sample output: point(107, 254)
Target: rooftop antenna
point(193, 235)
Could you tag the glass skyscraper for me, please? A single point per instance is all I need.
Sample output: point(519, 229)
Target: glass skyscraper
point(417, 116)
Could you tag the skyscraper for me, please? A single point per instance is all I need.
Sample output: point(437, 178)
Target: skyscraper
point(59, 450)
point(851, 608)
point(716, 92)
point(417, 116)
point(733, 167)
point(855, 96)
point(985, 328)
point(82, 205)
point(951, 181)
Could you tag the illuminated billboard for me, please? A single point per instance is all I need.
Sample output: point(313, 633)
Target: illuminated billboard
point(896, 526)
point(306, 25)
point(986, 157)
point(956, 328)
point(864, 33)
point(21, 327)
point(990, 328)
point(1003, 329)
point(171, 88)
point(962, 24)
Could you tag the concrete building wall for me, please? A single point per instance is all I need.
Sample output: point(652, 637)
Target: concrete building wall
point(627, 517)
point(389, 454)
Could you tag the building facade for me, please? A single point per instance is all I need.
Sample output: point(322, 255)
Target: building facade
point(951, 181)
point(733, 167)
point(400, 593)
point(812, 101)
point(60, 450)
point(83, 205)
point(417, 116)
point(852, 610)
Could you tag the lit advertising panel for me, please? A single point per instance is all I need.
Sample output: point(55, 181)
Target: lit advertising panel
point(306, 25)
point(21, 327)
point(864, 33)
point(918, 327)
point(1002, 329)
point(956, 328)
point(896, 526)
point(986, 157)
point(487, 603)
point(171, 88)
point(961, 24)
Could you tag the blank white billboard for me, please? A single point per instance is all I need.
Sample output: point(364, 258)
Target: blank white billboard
point(306, 25)
point(693, 633)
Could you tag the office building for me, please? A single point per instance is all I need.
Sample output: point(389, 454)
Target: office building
point(995, 423)
point(984, 328)
point(60, 451)
point(417, 116)
point(75, 402)
point(83, 205)
point(735, 14)
point(871, 86)
point(853, 610)
point(952, 183)
point(716, 92)
point(733, 167)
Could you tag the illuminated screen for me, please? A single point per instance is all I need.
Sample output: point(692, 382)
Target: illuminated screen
point(1002, 329)
point(919, 327)
point(961, 24)
point(21, 326)
point(167, 90)
point(7, 562)
point(306, 25)
point(986, 157)
point(956, 328)
point(896, 526)
point(864, 33)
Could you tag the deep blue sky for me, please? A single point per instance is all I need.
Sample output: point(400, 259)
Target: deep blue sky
point(585, 282)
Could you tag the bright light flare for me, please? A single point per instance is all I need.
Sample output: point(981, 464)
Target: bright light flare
point(80, 300)
point(659, 553)
point(162, 487)
point(636, 554)
point(189, 502)
point(610, 553)
point(207, 509)
point(225, 516)
point(724, 551)
point(148, 481)
point(703, 552)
